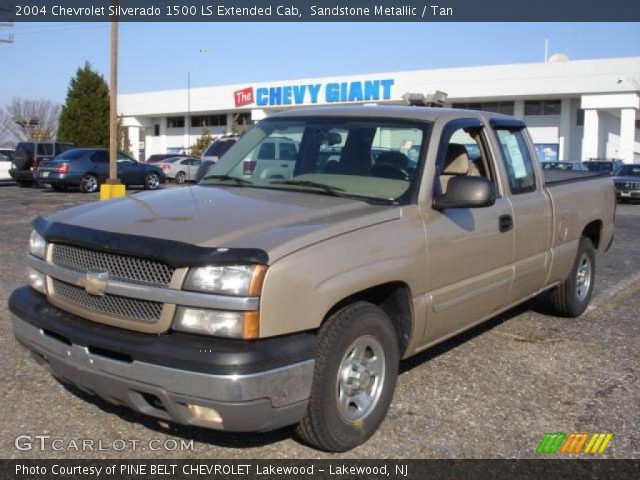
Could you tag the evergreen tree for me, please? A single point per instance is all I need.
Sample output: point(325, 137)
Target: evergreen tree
point(85, 115)
point(201, 144)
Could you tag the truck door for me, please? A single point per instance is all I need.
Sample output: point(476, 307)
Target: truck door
point(469, 250)
point(531, 207)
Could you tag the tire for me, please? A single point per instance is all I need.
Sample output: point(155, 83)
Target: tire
point(89, 183)
point(345, 411)
point(22, 159)
point(181, 177)
point(572, 297)
point(151, 181)
point(24, 183)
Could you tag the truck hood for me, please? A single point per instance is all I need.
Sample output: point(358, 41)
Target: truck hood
point(275, 221)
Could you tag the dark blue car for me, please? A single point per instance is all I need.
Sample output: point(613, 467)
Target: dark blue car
point(87, 168)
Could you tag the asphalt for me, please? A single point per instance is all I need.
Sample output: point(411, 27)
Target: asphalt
point(492, 392)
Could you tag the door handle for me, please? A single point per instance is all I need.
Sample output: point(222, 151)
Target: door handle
point(284, 165)
point(505, 223)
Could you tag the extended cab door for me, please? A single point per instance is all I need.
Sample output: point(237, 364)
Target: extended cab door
point(530, 204)
point(469, 250)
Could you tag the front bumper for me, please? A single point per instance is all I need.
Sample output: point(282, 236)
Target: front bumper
point(85, 354)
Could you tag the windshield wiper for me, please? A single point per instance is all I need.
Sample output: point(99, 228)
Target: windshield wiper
point(238, 181)
point(330, 189)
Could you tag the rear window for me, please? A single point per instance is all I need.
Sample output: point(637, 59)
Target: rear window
point(599, 166)
point(218, 148)
point(72, 154)
point(45, 149)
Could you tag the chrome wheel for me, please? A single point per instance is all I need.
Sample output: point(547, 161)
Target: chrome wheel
point(152, 181)
point(583, 277)
point(89, 183)
point(180, 177)
point(360, 379)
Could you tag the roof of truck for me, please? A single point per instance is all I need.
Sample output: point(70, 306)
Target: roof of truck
point(393, 111)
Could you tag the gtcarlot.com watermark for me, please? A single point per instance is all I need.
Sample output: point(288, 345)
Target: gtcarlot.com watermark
point(30, 442)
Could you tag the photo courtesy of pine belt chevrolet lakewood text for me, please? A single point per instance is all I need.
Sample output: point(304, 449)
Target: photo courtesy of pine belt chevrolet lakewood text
point(326, 245)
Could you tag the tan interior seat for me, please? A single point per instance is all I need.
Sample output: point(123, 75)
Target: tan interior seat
point(456, 163)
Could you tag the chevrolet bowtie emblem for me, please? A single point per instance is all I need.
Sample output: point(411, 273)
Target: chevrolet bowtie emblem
point(95, 283)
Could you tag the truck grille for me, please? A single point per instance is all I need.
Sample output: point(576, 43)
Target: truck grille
point(627, 185)
point(131, 308)
point(119, 267)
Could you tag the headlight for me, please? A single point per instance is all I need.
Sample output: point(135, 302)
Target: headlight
point(229, 280)
point(217, 323)
point(36, 244)
point(36, 279)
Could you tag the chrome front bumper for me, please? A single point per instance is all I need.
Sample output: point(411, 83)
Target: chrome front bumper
point(250, 402)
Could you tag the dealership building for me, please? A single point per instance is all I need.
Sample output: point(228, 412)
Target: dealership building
point(575, 110)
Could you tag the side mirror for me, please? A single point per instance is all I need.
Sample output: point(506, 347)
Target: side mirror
point(466, 192)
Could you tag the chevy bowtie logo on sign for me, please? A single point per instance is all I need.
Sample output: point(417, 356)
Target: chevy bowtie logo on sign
point(574, 442)
point(243, 97)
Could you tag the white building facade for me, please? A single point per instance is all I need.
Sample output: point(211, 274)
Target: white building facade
point(575, 110)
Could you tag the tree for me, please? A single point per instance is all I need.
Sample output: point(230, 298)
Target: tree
point(124, 144)
point(24, 119)
point(202, 143)
point(85, 116)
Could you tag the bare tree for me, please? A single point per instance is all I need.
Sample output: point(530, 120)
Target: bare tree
point(24, 119)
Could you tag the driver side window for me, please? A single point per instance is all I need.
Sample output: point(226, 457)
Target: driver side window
point(464, 156)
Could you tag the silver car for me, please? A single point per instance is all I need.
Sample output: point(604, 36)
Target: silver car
point(181, 169)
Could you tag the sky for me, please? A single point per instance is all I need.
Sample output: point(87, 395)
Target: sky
point(158, 56)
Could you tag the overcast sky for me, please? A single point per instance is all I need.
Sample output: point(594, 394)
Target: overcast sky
point(157, 56)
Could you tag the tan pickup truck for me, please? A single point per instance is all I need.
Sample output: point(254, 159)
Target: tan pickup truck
point(286, 288)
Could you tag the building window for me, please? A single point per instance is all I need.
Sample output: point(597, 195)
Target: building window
point(580, 117)
point(175, 122)
point(242, 118)
point(209, 120)
point(506, 108)
point(542, 107)
point(156, 130)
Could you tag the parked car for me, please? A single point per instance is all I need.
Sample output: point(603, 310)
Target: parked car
point(180, 169)
point(28, 156)
point(6, 159)
point(627, 182)
point(161, 157)
point(608, 166)
point(87, 168)
point(219, 147)
point(567, 166)
point(306, 292)
point(275, 158)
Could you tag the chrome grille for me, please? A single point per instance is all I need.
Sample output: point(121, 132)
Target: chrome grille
point(119, 267)
point(628, 185)
point(130, 308)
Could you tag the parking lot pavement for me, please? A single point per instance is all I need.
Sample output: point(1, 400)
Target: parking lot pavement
point(492, 392)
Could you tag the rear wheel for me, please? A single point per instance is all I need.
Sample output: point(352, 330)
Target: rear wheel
point(572, 297)
point(151, 181)
point(180, 177)
point(89, 183)
point(355, 375)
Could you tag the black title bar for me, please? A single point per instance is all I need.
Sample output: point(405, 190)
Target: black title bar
point(319, 11)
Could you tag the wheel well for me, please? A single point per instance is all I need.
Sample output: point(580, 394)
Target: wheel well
point(592, 231)
point(394, 299)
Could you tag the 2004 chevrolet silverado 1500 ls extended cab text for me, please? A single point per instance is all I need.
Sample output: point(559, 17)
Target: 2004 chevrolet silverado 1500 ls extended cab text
point(254, 301)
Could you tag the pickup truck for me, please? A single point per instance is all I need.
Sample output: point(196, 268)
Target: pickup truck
point(250, 303)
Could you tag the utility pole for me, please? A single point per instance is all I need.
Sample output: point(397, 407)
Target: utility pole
point(113, 188)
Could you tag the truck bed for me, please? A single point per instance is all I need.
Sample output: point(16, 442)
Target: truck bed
point(555, 177)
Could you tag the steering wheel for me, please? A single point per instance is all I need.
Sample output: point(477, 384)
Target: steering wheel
point(385, 170)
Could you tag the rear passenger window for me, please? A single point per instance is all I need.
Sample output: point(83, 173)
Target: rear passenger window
point(517, 161)
point(267, 151)
point(101, 156)
point(288, 151)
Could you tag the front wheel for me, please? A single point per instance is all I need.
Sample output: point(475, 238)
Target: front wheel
point(151, 181)
point(180, 177)
point(571, 298)
point(89, 183)
point(354, 379)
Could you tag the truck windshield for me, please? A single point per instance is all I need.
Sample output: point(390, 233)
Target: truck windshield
point(348, 157)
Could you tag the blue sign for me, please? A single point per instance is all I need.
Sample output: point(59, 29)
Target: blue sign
point(335, 92)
